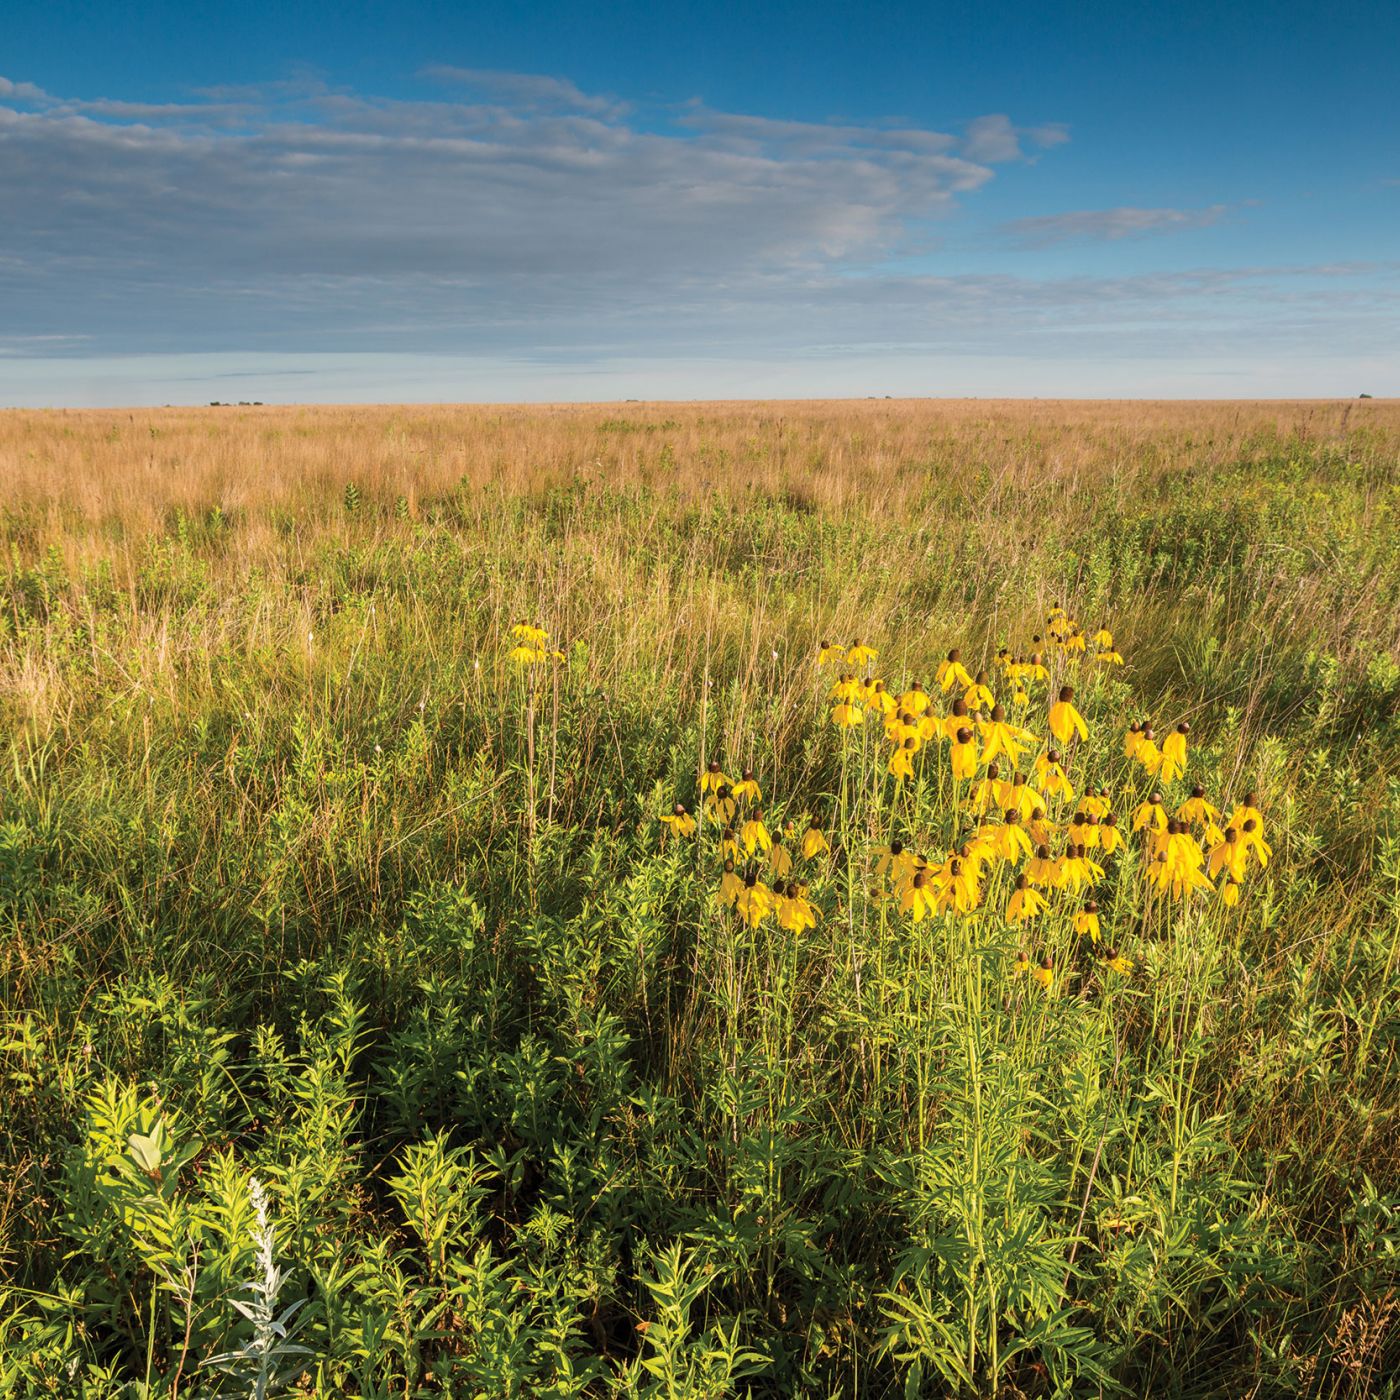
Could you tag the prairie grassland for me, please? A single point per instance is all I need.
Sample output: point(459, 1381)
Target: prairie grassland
point(345, 964)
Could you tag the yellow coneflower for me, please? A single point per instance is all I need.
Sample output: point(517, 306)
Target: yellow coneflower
point(795, 913)
point(915, 699)
point(746, 789)
point(680, 821)
point(1229, 890)
point(902, 726)
point(1131, 739)
point(1147, 753)
point(846, 715)
point(712, 779)
point(1041, 869)
point(977, 696)
point(985, 837)
point(1095, 802)
point(1176, 861)
point(1025, 903)
point(916, 901)
point(729, 886)
point(965, 875)
point(1112, 958)
point(848, 690)
point(797, 894)
point(902, 760)
point(754, 834)
point(1248, 820)
point(829, 654)
point(895, 863)
point(881, 700)
point(1150, 813)
point(1103, 638)
point(963, 754)
point(1018, 793)
point(1072, 872)
point(779, 860)
point(729, 844)
point(1001, 738)
point(1012, 842)
point(1065, 720)
point(1045, 973)
point(1197, 810)
point(1175, 880)
point(1174, 753)
point(976, 851)
point(1252, 839)
point(1109, 658)
point(957, 884)
point(1034, 669)
point(720, 805)
point(1086, 921)
point(1230, 856)
point(986, 792)
point(1247, 810)
point(527, 632)
point(955, 719)
point(1022, 965)
point(754, 901)
point(524, 655)
point(1052, 776)
point(859, 655)
point(1110, 838)
point(952, 672)
point(814, 843)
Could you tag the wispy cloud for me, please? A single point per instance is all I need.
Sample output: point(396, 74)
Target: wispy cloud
point(21, 92)
point(1109, 224)
point(535, 90)
point(520, 196)
point(995, 138)
point(519, 217)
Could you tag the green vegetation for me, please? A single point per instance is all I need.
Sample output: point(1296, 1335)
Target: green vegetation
point(363, 1032)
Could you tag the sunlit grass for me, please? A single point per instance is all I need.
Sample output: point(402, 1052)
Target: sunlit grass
point(355, 958)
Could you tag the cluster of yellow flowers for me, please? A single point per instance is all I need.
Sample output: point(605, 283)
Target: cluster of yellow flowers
point(767, 884)
point(1014, 784)
point(531, 645)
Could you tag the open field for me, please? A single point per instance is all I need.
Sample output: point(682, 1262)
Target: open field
point(331, 931)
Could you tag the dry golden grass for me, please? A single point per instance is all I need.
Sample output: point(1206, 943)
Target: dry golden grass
point(105, 466)
point(982, 491)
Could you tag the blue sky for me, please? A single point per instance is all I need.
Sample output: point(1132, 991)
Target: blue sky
point(565, 201)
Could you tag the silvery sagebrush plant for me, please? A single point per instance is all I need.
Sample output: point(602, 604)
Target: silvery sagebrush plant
point(270, 1358)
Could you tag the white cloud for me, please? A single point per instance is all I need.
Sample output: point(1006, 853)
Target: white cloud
point(21, 92)
point(1109, 224)
point(994, 139)
point(167, 205)
point(525, 222)
point(527, 89)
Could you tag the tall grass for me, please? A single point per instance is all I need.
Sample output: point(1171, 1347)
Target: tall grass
point(305, 888)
